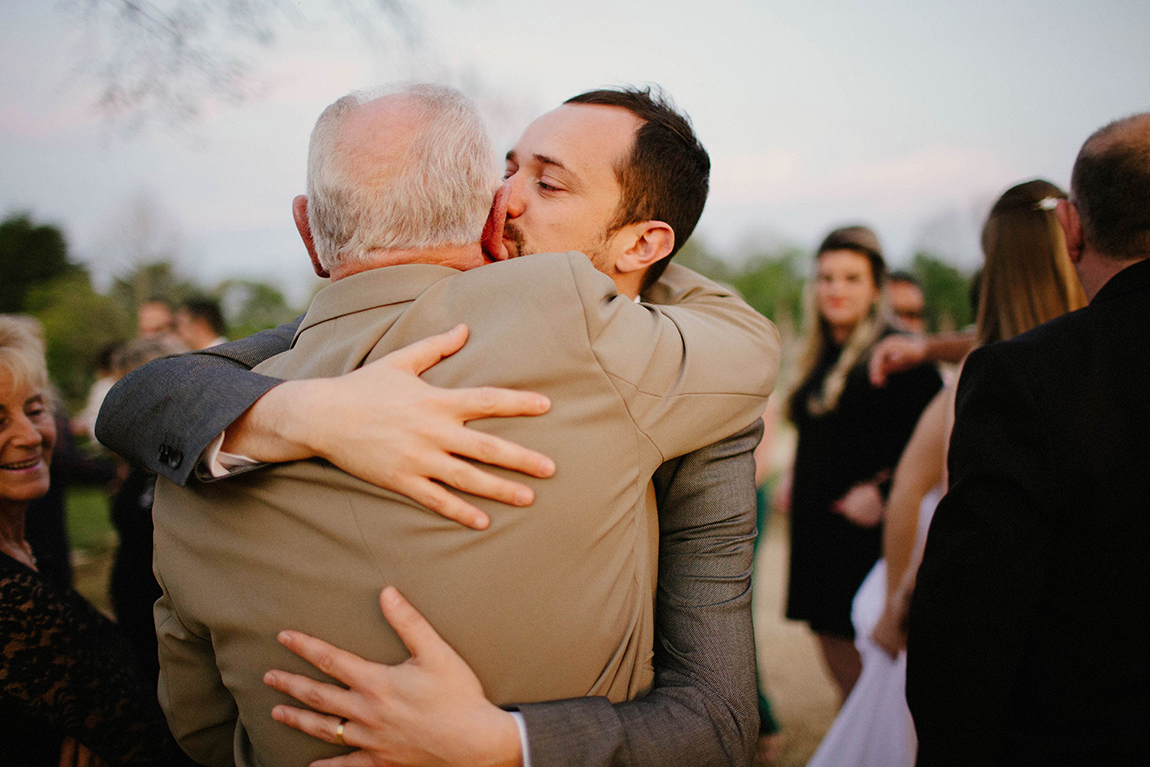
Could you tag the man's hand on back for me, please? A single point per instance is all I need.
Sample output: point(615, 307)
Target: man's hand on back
point(383, 424)
point(428, 710)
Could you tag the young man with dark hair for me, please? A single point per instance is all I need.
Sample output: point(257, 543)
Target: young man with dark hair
point(907, 301)
point(667, 175)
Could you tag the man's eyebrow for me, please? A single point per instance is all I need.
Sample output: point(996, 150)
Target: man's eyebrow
point(539, 158)
point(546, 160)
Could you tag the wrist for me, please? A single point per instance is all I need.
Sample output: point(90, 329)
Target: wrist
point(506, 746)
point(274, 429)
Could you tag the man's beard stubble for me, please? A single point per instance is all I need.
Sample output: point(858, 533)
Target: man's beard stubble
point(515, 235)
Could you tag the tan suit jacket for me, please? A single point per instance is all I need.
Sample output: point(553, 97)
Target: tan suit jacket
point(552, 601)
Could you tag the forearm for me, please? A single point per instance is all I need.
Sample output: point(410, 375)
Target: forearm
point(275, 428)
point(162, 415)
point(919, 469)
point(949, 347)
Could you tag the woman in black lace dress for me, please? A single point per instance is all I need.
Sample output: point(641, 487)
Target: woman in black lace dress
point(67, 687)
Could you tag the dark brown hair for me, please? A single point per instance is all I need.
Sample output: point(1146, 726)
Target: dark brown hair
point(1111, 188)
point(858, 239)
point(666, 177)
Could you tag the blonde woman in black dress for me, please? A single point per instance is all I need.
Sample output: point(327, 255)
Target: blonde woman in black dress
point(850, 436)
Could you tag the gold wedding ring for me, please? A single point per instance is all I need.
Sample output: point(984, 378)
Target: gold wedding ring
point(339, 732)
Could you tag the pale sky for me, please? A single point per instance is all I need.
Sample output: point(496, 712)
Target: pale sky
point(911, 117)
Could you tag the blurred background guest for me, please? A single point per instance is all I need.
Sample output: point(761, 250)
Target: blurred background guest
point(154, 318)
point(46, 527)
point(907, 301)
point(85, 422)
point(850, 435)
point(68, 691)
point(200, 324)
point(133, 587)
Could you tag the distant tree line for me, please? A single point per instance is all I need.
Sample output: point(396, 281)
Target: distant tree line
point(38, 277)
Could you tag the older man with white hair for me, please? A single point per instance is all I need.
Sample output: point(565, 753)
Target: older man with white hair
point(549, 602)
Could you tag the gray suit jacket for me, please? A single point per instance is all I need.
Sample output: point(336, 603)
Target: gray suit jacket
point(702, 709)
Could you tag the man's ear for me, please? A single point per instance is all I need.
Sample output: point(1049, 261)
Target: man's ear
point(1068, 219)
point(299, 213)
point(653, 240)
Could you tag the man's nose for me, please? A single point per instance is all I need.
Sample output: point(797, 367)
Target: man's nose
point(516, 200)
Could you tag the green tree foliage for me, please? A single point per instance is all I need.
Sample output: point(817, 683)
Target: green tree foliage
point(30, 255)
point(78, 323)
point(156, 280)
point(771, 282)
point(252, 306)
point(694, 255)
point(947, 293)
point(38, 278)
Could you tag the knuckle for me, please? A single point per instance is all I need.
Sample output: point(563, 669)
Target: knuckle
point(457, 475)
point(487, 399)
point(325, 662)
point(486, 449)
point(433, 501)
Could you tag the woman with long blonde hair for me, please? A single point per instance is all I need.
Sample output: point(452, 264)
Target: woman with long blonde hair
point(850, 435)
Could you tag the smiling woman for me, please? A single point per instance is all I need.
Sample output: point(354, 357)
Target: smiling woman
point(68, 694)
point(850, 437)
point(27, 432)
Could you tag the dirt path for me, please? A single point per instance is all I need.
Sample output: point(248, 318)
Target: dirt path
point(803, 696)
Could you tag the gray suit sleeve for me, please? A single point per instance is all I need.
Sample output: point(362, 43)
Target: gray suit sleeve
point(702, 709)
point(162, 415)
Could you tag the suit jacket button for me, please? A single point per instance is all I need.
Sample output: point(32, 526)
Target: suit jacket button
point(175, 457)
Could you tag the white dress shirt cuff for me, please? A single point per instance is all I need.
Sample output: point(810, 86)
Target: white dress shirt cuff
point(220, 464)
point(522, 725)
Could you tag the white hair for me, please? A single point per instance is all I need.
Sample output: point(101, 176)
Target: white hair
point(440, 196)
point(22, 350)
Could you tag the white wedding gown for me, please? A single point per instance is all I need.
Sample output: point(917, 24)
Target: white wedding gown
point(874, 727)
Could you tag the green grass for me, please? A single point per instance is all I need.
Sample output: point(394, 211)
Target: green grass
point(89, 523)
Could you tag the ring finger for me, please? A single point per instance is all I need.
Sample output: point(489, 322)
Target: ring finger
point(319, 726)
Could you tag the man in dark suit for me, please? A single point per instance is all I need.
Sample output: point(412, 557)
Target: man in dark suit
point(702, 709)
point(1023, 645)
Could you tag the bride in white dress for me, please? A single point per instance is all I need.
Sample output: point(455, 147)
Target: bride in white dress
point(874, 728)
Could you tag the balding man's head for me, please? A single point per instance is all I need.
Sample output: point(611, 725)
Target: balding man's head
point(1111, 188)
point(408, 168)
